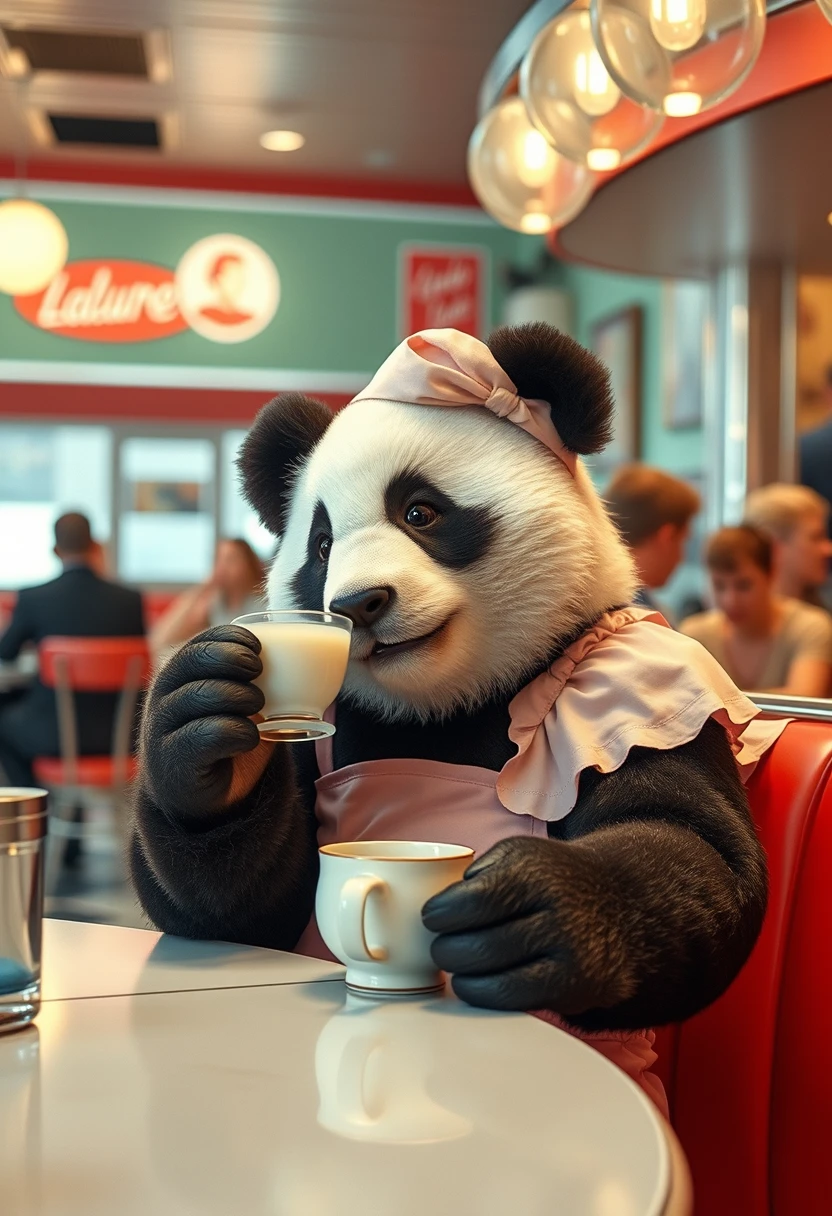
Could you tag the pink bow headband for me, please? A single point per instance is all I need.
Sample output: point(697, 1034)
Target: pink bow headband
point(446, 367)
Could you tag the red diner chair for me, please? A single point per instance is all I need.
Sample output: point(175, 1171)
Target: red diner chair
point(749, 1079)
point(78, 665)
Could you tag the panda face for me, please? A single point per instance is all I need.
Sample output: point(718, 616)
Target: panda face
point(460, 546)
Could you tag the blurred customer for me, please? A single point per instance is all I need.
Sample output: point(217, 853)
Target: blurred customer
point(653, 512)
point(233, 588)
point(78, 603)
point(796, 519)
point(816, 449)
point(766, 642)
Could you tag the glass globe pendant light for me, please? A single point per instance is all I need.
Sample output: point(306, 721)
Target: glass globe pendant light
point(574, 101)
point(518, 177)
point(678, 56)
point(33, 246)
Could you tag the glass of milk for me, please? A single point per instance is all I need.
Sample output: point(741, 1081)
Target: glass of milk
point(304, 657)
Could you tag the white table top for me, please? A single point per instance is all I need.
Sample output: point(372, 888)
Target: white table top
point(81, 960)
point(287, 1101)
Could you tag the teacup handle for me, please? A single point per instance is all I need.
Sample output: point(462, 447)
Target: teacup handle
point(354, 895)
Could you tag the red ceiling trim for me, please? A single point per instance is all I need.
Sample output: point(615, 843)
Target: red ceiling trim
point(796, 54)
point(105, 403)
point(174, 177)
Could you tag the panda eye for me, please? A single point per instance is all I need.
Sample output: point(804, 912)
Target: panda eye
point(420, 515)
point(324, 546)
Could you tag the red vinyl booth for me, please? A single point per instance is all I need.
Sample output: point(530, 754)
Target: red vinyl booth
point(750, 1079)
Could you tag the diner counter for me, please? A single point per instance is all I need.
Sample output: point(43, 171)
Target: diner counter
point(172, 1077)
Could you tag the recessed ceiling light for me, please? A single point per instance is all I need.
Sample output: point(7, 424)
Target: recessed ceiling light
point(282, 141)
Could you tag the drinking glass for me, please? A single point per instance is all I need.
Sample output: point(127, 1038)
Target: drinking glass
point(23, 826)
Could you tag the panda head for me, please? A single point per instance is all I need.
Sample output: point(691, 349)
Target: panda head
point(462, 548)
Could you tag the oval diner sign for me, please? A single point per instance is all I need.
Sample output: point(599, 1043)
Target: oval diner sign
point(107, 301)
point(225, 289)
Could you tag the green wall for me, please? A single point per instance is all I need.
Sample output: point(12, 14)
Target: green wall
point(596, 295)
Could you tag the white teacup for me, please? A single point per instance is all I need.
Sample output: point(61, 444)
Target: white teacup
point(369, 910)
point(304, 656)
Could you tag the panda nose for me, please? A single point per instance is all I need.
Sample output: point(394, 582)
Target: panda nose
point(364, 607)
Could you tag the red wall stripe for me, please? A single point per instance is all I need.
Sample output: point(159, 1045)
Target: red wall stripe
point(119, 404)
point(186, 177)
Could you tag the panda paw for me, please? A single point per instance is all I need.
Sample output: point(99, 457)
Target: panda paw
point(534, 924)
point(201, 750)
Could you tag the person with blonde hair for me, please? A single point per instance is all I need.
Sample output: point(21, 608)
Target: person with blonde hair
point(796, 520)
point(765, 641)
point(653, 512)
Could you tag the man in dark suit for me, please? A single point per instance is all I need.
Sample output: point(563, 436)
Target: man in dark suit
point(79, 603)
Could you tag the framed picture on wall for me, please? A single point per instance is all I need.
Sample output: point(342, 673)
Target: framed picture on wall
point(616, 340)
point(686, 339)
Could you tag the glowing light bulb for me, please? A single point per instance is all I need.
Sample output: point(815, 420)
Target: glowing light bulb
point(680, 105)
point(33, 246)
point(595, 90)
point(535, 159)
point(603, 159)
point(536, 222)
point(678, 24)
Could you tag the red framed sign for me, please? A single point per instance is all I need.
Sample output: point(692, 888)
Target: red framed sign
point(443, 287)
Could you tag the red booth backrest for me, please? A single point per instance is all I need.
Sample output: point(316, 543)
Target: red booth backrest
point(740, 1099)
point(801, 1108)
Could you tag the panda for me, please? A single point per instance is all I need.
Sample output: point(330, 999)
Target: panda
point(499, 684)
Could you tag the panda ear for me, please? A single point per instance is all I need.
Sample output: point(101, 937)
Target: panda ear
point(550, 366)
point(281, 438)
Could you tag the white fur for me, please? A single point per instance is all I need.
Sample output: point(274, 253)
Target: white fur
point(555, 562)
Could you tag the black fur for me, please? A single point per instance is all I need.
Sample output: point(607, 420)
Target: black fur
point(479, 738)
point(283, 435)
point(309, 580)
point(641, 908)
point(550, 366)
point(459, 537)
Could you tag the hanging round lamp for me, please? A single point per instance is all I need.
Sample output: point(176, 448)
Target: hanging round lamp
point(518, 176)
point(573, 100)
point(33, 246)
point(678, 56)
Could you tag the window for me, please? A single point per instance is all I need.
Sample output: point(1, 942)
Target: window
point(45, 471)
point(167, 528)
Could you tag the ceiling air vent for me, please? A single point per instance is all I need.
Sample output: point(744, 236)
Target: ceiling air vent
point(105, 132)
point(80, 51)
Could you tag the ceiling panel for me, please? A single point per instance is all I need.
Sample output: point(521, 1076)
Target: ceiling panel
point(379, 88)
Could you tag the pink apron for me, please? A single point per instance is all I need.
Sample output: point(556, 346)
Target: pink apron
point(456, 804)
point(627, 681)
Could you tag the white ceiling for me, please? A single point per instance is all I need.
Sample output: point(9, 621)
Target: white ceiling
point(383, 89)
